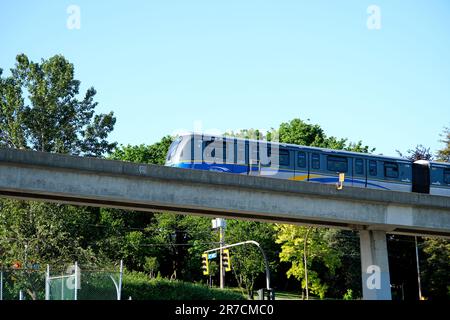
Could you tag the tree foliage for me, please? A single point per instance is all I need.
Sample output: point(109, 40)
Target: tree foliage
point(39, 110)
point(36, 234)
point(418, 153)
point(319, 253)
point(303, 133)
point(247, 261)
point(154, 154)
point(436, 269)
point(444, 153)
point(300, 132)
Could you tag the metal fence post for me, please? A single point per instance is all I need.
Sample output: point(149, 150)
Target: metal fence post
point(119, 293)
point(76, 281)
point(62, 288)
point(1, 285)
point(47, 283)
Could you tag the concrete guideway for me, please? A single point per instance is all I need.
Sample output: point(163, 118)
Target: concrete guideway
point(99, 182)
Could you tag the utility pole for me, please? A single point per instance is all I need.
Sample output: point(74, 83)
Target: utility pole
point(418, 270)
point(222, 243)
point(305, 262)
point(220, 224)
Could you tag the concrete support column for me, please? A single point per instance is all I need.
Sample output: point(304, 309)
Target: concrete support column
point(374, 265)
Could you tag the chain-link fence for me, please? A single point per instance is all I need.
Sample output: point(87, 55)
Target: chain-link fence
point(22, 284)
point(74, 282)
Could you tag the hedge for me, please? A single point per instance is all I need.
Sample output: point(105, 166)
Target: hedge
point(139, 286)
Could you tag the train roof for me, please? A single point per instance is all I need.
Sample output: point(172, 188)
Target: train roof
point(440, 163)
point(352, 153)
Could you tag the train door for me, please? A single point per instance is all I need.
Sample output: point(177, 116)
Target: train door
point(314, 167)
point(359, 177)
point(349, 174)
point(241, 156)
point(335, 165)
point(372, 176)
point(301, 165)
point(253, 157)
point(285, 167)
point(265, 159)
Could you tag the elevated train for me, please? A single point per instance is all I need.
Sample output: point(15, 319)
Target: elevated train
point(320, 165)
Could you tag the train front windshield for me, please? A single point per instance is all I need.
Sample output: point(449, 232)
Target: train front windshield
point(173, 150)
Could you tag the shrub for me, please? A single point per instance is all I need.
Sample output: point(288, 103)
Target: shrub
point(139, 286)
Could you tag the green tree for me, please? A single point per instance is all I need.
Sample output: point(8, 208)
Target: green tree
point(308, 249)
point(124, 235)
point(436, 269)
point(12, 113)
point(154, 154)
point(347, 276)
point(151, 266)
point(418, 153)
point(300, 132)
point(51, 118)
point(180, 241)
point(444, 153)
point(40, 233)
point(246, 260)
point(39, 110)
point(246, 134)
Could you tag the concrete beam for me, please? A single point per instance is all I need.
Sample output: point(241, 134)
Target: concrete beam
point(98, 182)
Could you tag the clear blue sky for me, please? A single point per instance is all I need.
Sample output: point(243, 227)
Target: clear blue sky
point(163, 65)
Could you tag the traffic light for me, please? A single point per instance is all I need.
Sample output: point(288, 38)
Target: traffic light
point(226, 262)
point(205, 264)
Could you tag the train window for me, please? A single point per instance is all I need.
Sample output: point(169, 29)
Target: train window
point(224, 152)
point(284, 157)
point(359, 166)
point(315, 161)
point(447, 176)
point(372, 167)
point(301, 159)
point(265, 151)
point(213, 151)
point(337, 164)
point(391, 170)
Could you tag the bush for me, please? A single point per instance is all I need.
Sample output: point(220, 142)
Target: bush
point(348, 295)
point(139, 286)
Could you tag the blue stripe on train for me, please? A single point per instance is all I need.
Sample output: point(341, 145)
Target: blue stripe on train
point(234, 168)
